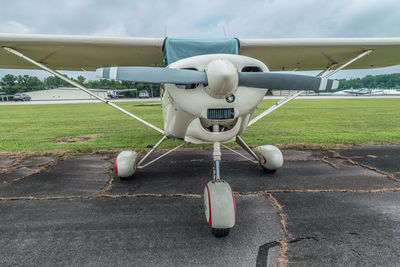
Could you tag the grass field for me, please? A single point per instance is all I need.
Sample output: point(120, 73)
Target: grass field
point(325, 122)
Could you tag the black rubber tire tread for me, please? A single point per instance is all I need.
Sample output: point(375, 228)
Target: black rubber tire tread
point(269, 171)
point(220, 232)
point(126, 178)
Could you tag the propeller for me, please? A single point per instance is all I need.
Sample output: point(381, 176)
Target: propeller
point(267, 80)
point(153, 75)
point(285, 81)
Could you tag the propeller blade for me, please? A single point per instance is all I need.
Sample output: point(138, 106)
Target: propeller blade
point(152, 75)
point(285, 81)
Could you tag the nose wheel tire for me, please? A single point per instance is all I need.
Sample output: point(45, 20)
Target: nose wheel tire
point(220, 232)
point(219, 207)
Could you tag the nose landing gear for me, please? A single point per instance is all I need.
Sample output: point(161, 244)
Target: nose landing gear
point(219, 202)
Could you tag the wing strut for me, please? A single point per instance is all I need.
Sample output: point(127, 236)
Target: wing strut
point(59, 75)
point(276, 106)
point(293, 96)
point(349, 62)
point(139, 166)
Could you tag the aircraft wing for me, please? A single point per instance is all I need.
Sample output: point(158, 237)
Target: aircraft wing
point(68, 52)
point(74, 52)
point(321, 53)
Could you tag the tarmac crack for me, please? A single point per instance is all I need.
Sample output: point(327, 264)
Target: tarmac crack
point(325, 160)
point(264, 192)
point(99, 196)
point(303, 238)
point(43, 167)
point(109, 185)
point(391, 176)
point(283, 262)
point(104, 194)
point(262, 255)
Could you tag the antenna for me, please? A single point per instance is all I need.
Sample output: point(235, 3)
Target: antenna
point(223, 28)
point(165, 30)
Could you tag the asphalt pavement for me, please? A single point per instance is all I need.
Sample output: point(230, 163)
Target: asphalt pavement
point(322, 208)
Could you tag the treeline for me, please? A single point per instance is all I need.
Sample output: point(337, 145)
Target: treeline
point(11, 84)
point(384, 81)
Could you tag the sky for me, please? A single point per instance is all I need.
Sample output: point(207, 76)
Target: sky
point(204, 19)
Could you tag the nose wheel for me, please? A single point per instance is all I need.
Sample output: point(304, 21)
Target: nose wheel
point(220, 207)
point(219, 202)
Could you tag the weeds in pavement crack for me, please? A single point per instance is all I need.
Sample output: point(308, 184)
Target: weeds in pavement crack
point(349, 160)
point(283, 243)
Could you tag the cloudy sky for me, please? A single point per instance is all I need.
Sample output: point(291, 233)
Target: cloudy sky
point(215, 18)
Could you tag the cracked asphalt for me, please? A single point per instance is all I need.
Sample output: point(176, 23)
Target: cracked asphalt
point(322, 208)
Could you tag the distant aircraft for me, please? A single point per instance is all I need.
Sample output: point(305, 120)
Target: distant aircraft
point(210, 88)
point(375, 92)
point(354, 92)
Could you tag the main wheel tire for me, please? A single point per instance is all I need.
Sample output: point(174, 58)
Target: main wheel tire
point(270, 157)
point(125, 164)
point(267, 170)
point(220, 232)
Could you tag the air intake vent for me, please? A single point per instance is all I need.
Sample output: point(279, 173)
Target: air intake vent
point(220, 114)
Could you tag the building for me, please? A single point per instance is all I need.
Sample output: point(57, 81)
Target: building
point(64, 94)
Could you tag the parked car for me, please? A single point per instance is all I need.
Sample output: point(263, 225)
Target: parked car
point(22, 97)
point(144, 94)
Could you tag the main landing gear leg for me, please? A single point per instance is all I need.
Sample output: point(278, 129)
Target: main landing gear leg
point(219, 202)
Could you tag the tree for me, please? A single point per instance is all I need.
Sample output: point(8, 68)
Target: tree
point(33, 84)
point(8, 84)
point(81, 80)
point(384, 81)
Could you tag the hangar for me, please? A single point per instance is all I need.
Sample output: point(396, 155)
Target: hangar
point(64, 94)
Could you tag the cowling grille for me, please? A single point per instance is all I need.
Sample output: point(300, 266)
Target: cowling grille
point(220, 114)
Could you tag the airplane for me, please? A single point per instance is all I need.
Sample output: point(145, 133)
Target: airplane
point(358, 91)
point(210, 88)
point(368, 92)
point(354, 92)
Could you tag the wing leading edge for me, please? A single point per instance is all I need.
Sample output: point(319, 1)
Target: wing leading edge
point(73, 52)
point(322, 53)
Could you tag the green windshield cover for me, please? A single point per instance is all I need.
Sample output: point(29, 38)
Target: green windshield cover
point(176, 49)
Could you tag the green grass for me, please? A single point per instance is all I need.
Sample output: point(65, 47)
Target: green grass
point(316, 121)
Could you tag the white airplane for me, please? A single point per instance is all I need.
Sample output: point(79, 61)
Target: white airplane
point(210, 88)
point(355, 92)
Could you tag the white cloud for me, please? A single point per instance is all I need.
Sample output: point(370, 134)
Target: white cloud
point(112, 30)
point(204, 19)
point(190, 18)
point(15, 27)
